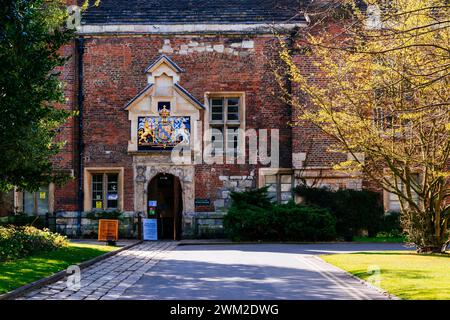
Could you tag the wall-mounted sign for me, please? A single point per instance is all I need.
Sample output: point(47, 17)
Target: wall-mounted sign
point(163, 132)
point(152, 203)
point(202, 202)
point(150, 229)
point(113, 196)
point(108, 230)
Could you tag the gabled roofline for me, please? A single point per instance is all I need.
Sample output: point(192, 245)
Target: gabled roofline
point(142, 92)
point(166, 58)
point(190, 96)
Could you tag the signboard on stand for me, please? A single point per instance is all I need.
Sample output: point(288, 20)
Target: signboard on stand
point(108, 230)
point(150, 229)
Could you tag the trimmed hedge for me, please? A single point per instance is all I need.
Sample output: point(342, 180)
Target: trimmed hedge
point(253, 217)
point(23, 219)
point(96, 215)
point(19, 242)
point(354, 210)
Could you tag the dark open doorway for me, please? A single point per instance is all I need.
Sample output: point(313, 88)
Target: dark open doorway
point(165, 189)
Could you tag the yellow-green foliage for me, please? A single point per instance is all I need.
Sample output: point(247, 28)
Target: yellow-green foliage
point(385, 96)
point(18, 242)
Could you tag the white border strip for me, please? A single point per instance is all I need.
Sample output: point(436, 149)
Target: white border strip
point(183, 28)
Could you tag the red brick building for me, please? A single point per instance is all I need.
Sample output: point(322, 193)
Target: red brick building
point(147, 75)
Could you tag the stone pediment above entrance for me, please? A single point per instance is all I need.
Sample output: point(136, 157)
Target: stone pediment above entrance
point(163, 76)
point(163, 113)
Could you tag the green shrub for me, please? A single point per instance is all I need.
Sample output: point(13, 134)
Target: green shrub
point(23, 219)
point(18, 242)
point(391, 224)
point(96, 215)
point(354, 210)
point(253, 217)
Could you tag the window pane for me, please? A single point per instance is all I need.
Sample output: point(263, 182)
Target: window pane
point(286, 197)
point(42, 200)
point(113, 193)
point(233, 141)
point(272, 196)
point(97, 191)
point(286, 179)
point(233, 109)
point(28, 202)
point(233, 101)
point(217, 102)
point(217, 140)
point(217, 109)
point(271, 179)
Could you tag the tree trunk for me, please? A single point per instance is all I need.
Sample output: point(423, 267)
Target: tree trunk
point(432, 249)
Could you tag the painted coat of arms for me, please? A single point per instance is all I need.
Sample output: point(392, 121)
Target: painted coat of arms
point(163, 132)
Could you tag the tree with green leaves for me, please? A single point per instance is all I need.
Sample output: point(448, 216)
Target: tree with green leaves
point(31, 35)
point(384, 98)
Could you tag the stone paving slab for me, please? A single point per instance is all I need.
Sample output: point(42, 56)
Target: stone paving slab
point(109, 278)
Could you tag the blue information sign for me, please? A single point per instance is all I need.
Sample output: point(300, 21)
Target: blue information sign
point(150, 228)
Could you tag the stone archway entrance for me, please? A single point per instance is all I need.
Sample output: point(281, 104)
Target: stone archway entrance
point(166, 190)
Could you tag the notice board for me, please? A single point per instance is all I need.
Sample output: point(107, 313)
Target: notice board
point(108, 230)
point(150, 229)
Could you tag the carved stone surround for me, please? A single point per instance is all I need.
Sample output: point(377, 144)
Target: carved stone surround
point(146, 167)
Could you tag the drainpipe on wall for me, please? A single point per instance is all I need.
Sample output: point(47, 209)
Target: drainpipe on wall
point(80, 99)
point(291, 48)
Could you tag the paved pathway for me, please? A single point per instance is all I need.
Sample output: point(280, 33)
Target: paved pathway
point(249, 271)
point(254, 272)
point(109, 278)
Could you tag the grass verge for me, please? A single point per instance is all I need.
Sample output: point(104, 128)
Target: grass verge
point(14, 274)
point(407, 275)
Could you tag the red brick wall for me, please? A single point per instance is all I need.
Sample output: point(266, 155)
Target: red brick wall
point(114, 73)
point(66, 160)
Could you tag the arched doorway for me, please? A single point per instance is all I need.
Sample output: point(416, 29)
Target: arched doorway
point(165, 189)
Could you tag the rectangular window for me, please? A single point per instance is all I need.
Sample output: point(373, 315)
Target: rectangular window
point(36, 202)
point(225, 118)
point(280, 187)
point(105, 191)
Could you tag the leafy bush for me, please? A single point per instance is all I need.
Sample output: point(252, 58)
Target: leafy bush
point(23, 219)
point(253, 217)
point(18, 242)
point(354, 210)
point(390, 224)
point(96, 215)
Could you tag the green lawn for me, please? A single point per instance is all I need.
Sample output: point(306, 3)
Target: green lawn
point(17, 273)
point(406, 275)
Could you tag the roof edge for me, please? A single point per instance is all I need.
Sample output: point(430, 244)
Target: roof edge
point(190, 96)
point(92, 29)
point(166, 58)
point(143, 91)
